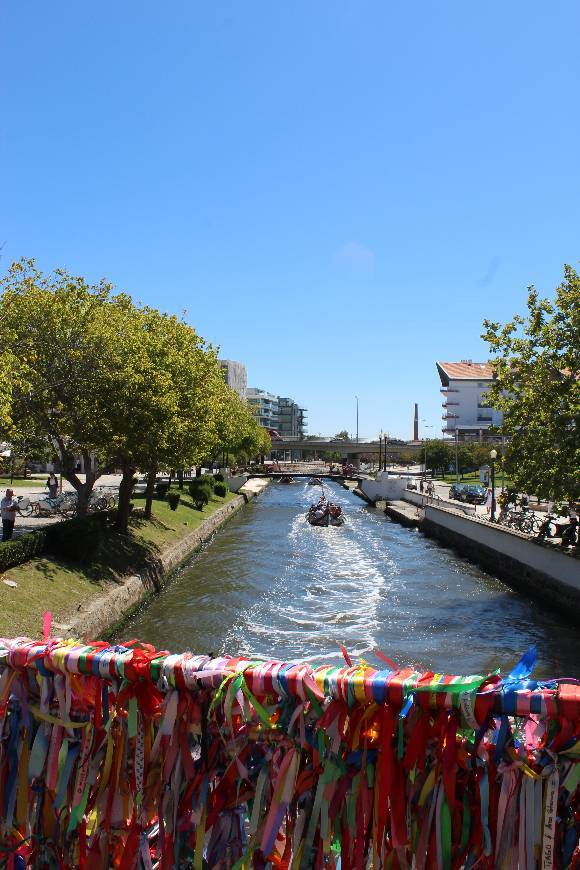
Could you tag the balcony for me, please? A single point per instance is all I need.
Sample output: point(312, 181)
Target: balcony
point(450, 416)
point(447, 402)
point(448, 390)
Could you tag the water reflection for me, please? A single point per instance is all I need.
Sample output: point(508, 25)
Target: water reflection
point(270, 584)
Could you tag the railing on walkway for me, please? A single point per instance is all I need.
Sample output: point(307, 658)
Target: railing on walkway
point(421, 499)
point(128, 757)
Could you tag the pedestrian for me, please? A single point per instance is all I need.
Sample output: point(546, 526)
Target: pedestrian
point(488, 502)
point(52, 484)
point(421, 485)
point(8, 508)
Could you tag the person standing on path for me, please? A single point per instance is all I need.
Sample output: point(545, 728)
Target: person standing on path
point(8, 508)
point(52, 484)
point(488, 502)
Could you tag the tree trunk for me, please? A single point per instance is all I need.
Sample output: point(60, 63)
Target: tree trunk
point(150, 491)
point(125, 490)
point(180, 478)
point(83, 490)
point(198, 470)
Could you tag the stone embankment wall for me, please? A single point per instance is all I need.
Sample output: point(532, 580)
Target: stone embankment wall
point(541, 572)
point(105, 611)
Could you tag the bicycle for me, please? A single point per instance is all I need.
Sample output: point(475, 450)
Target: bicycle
point(24, 506)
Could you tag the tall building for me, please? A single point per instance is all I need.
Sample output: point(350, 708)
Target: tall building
point(278, 412)
point(465, 409)
point(265, 406)
point(236, 376)
point(291, 418)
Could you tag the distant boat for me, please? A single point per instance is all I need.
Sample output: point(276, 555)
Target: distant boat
point(286, 479)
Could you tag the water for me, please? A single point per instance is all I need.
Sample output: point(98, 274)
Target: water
point(271, 585)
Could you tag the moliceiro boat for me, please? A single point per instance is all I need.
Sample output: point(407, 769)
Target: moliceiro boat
point(325, 513)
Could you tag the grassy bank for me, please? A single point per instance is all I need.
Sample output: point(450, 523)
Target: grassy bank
point(472, 477)
point(61, 587)
point(21, 481)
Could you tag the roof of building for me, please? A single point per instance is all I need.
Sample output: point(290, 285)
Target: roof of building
point(466, 370)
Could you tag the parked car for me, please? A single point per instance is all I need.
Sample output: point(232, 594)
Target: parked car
point(475, 494)
point(457, 491)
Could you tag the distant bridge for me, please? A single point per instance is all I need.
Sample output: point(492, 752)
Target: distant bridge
point(350, 448)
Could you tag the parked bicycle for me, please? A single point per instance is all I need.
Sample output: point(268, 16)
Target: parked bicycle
point(24, 506)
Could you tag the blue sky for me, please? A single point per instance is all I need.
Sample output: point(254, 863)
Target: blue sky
point(337, 192)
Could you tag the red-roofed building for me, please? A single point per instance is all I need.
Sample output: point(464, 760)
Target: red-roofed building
point(465, 412)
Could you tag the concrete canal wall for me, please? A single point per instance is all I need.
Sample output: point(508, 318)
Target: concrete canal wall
point(541, 572)
point(106, 611)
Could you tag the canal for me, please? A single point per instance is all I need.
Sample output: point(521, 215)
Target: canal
point(271, 585)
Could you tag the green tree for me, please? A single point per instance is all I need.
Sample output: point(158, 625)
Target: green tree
point(439, 454)
point(342, 436)
point(536, 362)
point(465, 456)
point(64, 346)
point(27, 444)
point(184, 430)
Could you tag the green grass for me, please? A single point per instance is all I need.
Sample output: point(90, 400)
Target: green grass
point(21, 481)
point(61, 587)
point(472, 478)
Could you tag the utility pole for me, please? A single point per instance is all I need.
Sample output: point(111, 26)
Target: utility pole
point(356, 397)
point(456, 456)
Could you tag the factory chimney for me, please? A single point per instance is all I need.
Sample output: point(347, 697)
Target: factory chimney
point(416, 423)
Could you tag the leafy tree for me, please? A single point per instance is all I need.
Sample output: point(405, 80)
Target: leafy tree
point(185, 428)
point(536, 362)
point(64, 344)
point(342, 436)
point(27, 444)
point(439, 454)
point(102, 377)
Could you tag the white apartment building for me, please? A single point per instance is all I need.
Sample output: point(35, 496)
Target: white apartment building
point(465, 412)
point(265, 406)
point(236, 376)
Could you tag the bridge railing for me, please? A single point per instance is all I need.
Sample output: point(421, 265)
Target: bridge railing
point(124, 756)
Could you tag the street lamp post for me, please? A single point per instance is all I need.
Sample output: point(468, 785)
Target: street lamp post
point(493, 457)
point(456, 455)
point(356, 397)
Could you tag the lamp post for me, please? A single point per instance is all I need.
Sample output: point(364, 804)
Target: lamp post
point(425, 426)
point(493, 457)
point(456, 455)
point(356, 397)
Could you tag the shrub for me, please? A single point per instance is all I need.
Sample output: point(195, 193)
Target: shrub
point(173, 498)
point(22, 549)
point(207, 478)
point(161, 490)
point(75, 539)
point(219, 478)
point(220, 489)
point(200, 492)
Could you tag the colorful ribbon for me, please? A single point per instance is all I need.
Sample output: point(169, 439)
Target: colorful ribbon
point(127, 757)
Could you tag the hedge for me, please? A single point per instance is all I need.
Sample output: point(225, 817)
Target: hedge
point(77, 539)
point(22, 549)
